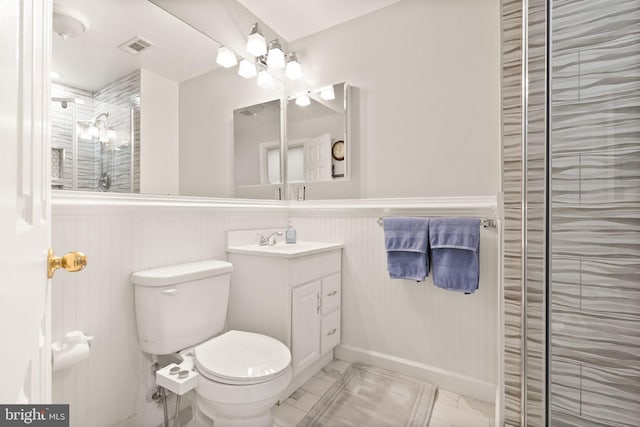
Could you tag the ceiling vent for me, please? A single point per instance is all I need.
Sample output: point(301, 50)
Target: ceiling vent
point(136, 45)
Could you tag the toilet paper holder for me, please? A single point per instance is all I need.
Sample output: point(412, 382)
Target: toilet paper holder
point(73, 348)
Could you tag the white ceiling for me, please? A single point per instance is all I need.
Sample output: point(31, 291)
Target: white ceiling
point(92, 60)
point(294, 19)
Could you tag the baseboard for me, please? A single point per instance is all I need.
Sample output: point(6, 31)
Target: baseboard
point(447, 380)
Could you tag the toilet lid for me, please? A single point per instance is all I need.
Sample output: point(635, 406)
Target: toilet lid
point(237, 357)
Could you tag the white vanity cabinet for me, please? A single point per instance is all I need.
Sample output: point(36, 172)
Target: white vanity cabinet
point(292, 297)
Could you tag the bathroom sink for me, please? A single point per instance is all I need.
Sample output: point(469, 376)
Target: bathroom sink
point(291, 250)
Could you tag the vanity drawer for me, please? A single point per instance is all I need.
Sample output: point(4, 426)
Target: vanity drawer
point(330, 332)
point(330, 293)
point(314, 267)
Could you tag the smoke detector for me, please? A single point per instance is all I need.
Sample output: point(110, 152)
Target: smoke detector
point(67, 22)
point(136, 45)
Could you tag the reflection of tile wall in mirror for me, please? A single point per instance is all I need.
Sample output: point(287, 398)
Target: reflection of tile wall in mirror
point(91, 63)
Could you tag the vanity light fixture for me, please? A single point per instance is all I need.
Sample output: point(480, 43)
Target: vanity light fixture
point(226, 57)
point(275, 57)
point(327, 93)
point(256, 43)
point(293, 70)
point(264, 79)
point(303, 100)
point(247, 69)
point(54, 75)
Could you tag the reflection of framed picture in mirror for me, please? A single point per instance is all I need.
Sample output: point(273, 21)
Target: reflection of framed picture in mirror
point(337, 150)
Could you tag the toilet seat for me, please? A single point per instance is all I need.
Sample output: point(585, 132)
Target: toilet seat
point(242, 358)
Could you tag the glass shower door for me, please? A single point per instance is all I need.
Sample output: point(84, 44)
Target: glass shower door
point(594, 289)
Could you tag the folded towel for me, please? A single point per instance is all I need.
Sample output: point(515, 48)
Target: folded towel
point(455, 246)
point(406, 241)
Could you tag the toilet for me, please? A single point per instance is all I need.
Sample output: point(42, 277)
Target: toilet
point(183, 308)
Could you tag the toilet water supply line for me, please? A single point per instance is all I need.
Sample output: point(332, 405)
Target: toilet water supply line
point(188, 363)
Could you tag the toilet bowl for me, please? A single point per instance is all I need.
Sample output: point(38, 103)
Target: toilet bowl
point(241, 374)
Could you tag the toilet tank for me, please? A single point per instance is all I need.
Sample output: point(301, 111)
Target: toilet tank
point(180, 305)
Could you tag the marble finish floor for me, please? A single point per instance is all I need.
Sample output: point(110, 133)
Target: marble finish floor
point(450, 409)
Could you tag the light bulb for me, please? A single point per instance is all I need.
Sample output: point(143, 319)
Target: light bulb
point(293, 70)
point(256, 43)
point(327, 93)
point(303, 100)
point(226, 57)
point(264, 79)
point(275, 57)
point(247, 69)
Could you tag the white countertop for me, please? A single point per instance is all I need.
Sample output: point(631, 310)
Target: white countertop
point(284, 250)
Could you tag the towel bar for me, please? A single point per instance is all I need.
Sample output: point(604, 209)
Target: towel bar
point(485, 222)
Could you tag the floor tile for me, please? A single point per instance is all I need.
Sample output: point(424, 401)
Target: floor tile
point(286, 415)
point(447, 397)
point(458, 417)
point(476, 406)
point(437, 422)
point(306, 402)
point(336, 367)
point(316, 386)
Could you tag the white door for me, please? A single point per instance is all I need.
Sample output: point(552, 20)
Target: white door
point(317, 158)
point(25, 233)
point(305, 326)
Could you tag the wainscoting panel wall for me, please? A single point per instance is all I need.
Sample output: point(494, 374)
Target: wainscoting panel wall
point(405, 320)
point(416, 325)
point(113, 387)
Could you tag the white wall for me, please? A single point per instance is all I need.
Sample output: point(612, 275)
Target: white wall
point(428, 77)
point(206, 129)
point(159, 137)
point(425, 105)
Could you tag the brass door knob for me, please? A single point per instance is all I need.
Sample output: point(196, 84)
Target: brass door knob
point(72, 261)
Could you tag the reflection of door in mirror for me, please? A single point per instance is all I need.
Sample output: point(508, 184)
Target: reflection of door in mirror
point(321, 123)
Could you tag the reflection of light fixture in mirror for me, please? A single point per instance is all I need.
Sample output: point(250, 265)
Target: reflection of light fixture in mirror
point(264, 79)
point(303, 100)
point(275, 57)
point(327, 93)
point(293, 70)
point(67, 22)
point(247, 69)
point(256, 43)
point(54, 75)
point(226, 57)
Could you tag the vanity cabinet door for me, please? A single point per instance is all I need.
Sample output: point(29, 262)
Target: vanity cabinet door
point(305, 325)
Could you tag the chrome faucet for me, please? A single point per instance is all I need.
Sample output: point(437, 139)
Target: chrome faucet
point(269, 240)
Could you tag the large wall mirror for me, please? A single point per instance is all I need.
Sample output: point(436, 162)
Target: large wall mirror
point(139, 105)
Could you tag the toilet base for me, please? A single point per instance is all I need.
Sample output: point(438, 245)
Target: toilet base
point(201, 419)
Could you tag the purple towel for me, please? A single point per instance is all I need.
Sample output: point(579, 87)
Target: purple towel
point(406, 241)
point(455, 246)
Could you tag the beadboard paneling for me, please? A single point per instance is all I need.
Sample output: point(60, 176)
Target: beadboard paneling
point(405, 319)
point(114, 384)
point(450, 331)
